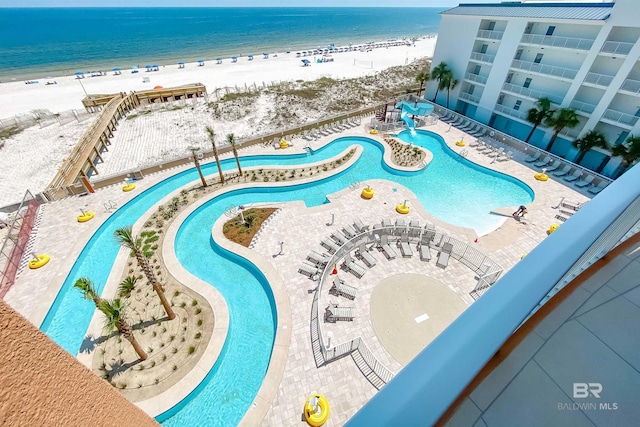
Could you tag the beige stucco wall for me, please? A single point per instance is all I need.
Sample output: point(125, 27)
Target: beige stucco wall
point(42, 385)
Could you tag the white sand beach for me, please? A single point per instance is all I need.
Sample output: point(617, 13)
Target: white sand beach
point(30, 159)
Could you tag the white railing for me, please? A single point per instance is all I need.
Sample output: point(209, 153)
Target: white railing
point(582, 106)
point(482, 57)
point(631, 85)
point(556, 41)
point(520, 114)
point(598, 79)
point(620, 117)
point(531, 93)
point(551, 70)
point(569, 133)
point(477, 78)
point(469, 97)
point(491, 35)
point(619, 48)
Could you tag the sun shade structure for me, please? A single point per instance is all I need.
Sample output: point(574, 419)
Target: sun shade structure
point(234, 59)
point(219, 60)
point(266, 55)
point(200, 62)
point(250, 57)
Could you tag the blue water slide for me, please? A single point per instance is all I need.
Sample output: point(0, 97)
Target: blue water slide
point(405, 118)
point(416, 109)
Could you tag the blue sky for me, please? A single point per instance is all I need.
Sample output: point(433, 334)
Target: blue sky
point(230, 3)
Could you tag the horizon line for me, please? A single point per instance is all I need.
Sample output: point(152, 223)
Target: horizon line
point(221, 7)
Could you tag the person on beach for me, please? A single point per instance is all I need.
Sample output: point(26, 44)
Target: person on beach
point(522, 210)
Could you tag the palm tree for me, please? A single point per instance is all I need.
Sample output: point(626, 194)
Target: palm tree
point(422, 78)
point(212, 138)
point(127, 285)
point(125, 237)
point(194, 151)
point(231, 139)
point(89, 292)
point(439, 73)
point(563, 118)
point(115, 311)
point(451, 82)
point(538, 115)
point(590, 140)
point(629, 151)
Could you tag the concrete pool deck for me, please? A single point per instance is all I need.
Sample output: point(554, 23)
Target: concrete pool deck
point(341, 381)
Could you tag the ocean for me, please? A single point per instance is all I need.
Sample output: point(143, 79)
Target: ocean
point(38, 42)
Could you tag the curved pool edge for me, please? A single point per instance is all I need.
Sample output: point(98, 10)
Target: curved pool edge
point(388, 152)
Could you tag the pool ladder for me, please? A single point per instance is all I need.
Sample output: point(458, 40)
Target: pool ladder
point(110, 206)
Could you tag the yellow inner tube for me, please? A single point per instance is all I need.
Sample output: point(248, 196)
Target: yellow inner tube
point(284, 143)
point(373, 131)
point(367, 193)
point(541, 177)
point(129, 187)
point(553, 227)
point(402, 209)
point(320, 417)
point(37, 263)
point(460, 143)
point(88, 215)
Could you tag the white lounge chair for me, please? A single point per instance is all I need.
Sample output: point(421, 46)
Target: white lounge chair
point(387, 250)
point(425, 252)
point(585, 182)
point(443, 256)
point(339, 237)
point(340, 289)
point(400, 227)
point(349, 231)
point(308, 269)
point(331, 246)
point(405, 249)
point(354, 267)
point(365, 255)
point(320, 260)
point(360, 227)
point(598, 188)
point(504, 157)
point(335, 313)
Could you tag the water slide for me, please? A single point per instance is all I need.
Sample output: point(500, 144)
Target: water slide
point(410, 124)
point(415, 109)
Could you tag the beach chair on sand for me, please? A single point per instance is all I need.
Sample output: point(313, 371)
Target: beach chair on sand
point(320, 260)
point(308, 270)
point(365, 255)
point(354, 267)
point(334, 313)
point(331, 246)
point(533, 158)
point(403, 244)
point(443, 256)
point(339, 289)
point(387, 250)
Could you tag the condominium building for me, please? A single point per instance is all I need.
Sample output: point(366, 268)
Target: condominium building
point(583, 56)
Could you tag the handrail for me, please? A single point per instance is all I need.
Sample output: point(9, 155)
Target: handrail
point(557, 41)
point(531, 93)
point(550, 70)
point(582, 106)
point(484, 57)
point(520, 114)
point(476, 78)
point(598, 79)
point(469, 97)
point(620, 117)
point(442, 370)
point(631, 85)
point(490, 34)
point(619, 48)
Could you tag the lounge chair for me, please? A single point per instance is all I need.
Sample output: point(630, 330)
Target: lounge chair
point(562, 172)
point(425, 253)
point(533, 158)
point(387, 250)
point(308, 269)
point(598, 188)
point(562, 218)
point(443, 256)
point(320, 260)
point(340, 289)
point(354, 267)
point(542, 163)
point(335, 313)
point(331, 246)
point(553, 167)
point(585, 182)
point(571, 205)
point(429, 234)
point(339, 237)
point(365, 255)
point(350, 231)
point(405, 249)
point(497, 152)
point(360, 227)
point(414, 228)
point(574, 177)
point(387, 223)
point(400, 226)
point(480, 132)
point(468, 127)
point(474, 143)
point(504, 157)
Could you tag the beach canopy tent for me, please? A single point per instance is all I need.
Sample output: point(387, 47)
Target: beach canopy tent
point(148, 67)
point(219, 60)
point(298, 54)
point(250, 57)
point(116, 71)
point(80, 74)
point(200, 62)
point(134, 69)
point(155, 67)
point(306, 63)
point(266, 55)
point(180, 64)
point(234, 59)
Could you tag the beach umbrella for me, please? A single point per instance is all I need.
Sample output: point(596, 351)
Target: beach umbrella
point(200, 62)
point(116, 69)
point(158, 87)
point(79, 73)
point(234, 58)
point(180, 63)
point(250, 57)
point(266, 55)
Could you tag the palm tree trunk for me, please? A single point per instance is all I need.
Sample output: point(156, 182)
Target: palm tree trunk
point(125, 330)
point(215, 154)
point(448, 92)
point(235, 154)
point(163, 299)
point(602, 165)
point(436, 95)
point(533, 129)
point(580, 157)
point(204, 182)
point(552, 140)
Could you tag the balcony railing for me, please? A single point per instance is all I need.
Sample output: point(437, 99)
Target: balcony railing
point(491, 35)
point(631, 85)
point(469, 97)
point(618, 48)
point(482, 57)
point(531, 93)
point(598, 79)
point(582, 107)
point(620, 117)
point(555, 41)
point(551, 70)
point(520, 114)
point(475, 78)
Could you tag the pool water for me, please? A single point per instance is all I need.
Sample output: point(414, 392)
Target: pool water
point(452, 189)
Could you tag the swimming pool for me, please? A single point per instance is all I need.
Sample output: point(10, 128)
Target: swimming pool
point(480, 191)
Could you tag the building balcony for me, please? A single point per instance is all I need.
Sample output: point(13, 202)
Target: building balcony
point(568, 133)
point(476, 78)
point(616, 48)
point(490, 35)
point(619, 118)
point(507, 111)
point(631, 86)
point(482, 57)
point(547, 70)
point(532, 94)
point(596, 79)
point(465, 96)
point(556, 41)
point(582, 107)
